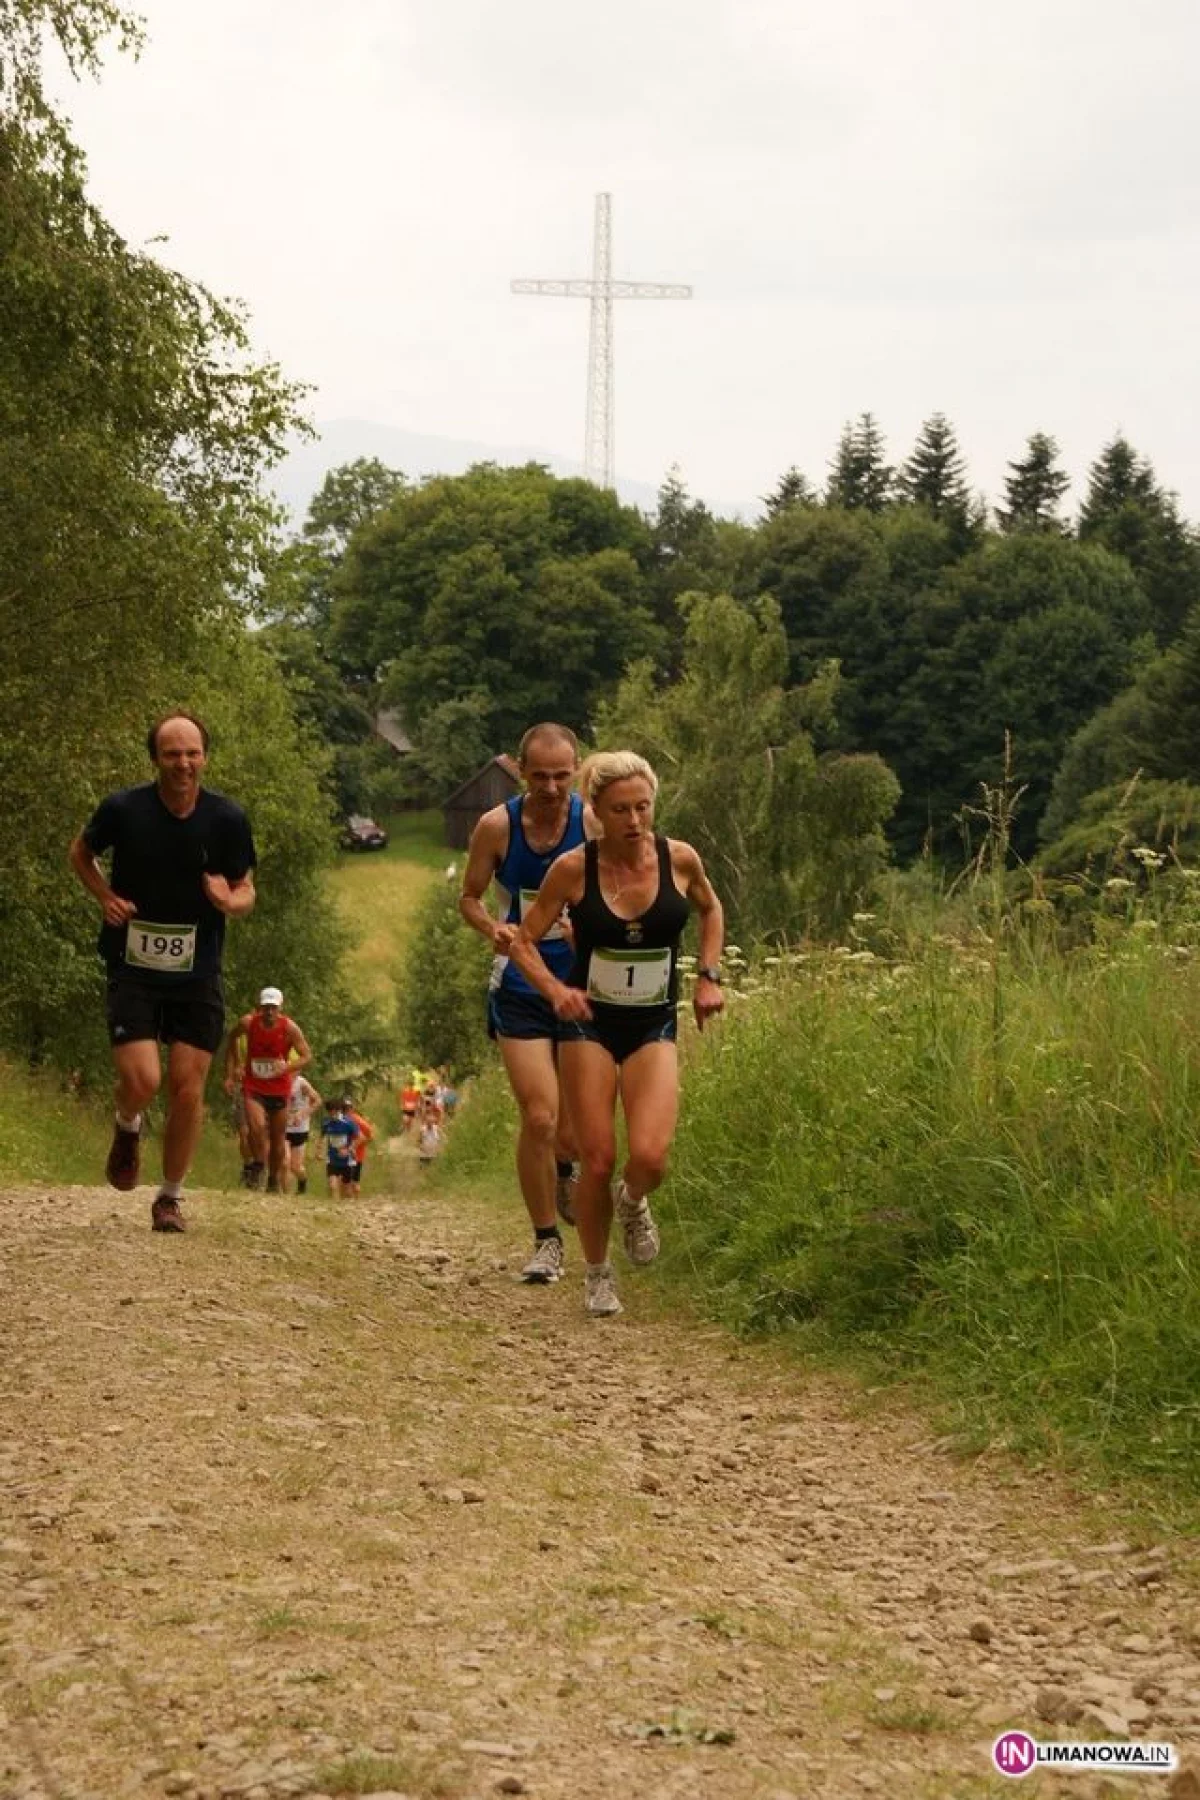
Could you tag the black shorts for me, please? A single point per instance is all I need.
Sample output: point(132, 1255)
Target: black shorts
point(296, 1138)
point(270, 1103)
point(621, 1031)
point(343, 1170)
point(176, 1012)
point(356, 1170)
point(512, 1014)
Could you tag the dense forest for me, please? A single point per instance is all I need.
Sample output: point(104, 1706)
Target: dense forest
point(919, 625)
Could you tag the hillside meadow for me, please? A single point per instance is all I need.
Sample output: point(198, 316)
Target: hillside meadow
point(972, 1169)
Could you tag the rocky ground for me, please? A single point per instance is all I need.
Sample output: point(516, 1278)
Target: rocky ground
point(318, 1501)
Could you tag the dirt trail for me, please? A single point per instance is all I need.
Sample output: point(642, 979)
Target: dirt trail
point(318, 1500)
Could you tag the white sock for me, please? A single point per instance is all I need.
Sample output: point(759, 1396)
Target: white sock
point(170, 1190)
point(604, 1268)
point(134, 1124)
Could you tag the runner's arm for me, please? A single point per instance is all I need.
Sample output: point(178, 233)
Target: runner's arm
point(483, 855)
point(707, 998)
point(234, 898)
point(116, 911)
point(299, 1043)
point(560, 885)
point(231, 1051)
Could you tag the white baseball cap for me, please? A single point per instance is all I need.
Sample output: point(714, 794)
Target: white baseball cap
point(270, 997)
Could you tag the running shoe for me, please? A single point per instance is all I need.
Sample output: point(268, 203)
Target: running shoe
point(546, 1263)
point(124, 1159)
point(564, 1197)
point(600, 1293)
point(637, 1226)
point(165, 1215)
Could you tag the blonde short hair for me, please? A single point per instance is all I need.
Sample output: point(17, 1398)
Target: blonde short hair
point(606, 766)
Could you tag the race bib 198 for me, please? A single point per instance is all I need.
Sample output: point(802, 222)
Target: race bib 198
point(169, 949)
point(629, 977)
point(266, 1068)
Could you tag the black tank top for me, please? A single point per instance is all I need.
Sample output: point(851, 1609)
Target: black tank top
point(628, 963)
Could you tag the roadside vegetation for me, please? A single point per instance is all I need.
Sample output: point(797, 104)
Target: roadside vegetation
point(965, 1158)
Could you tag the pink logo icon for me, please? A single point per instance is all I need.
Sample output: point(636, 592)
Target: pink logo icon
point(1015, 1754)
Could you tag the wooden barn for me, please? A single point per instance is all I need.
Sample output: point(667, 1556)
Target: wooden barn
point(496, 782)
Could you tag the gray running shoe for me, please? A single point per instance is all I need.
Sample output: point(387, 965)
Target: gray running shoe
point(546, 1263)
point(564, 1197)
point(637, 1226)
point(600, 1293)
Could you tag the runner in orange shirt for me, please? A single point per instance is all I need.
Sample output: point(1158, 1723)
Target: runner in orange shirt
point(366, 1131)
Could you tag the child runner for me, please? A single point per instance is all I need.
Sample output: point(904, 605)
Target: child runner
point(341, 1138)
point(303, 1101)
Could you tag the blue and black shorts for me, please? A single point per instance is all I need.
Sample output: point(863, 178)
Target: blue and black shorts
point(513, 1014)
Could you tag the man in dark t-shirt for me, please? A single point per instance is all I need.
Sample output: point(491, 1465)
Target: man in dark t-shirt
point(182, 863)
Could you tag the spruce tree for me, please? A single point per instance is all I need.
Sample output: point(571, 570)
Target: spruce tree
point(792, 489)
point(1118, 475)
point(860, 478)
point(935, 474)
point(1128, 512)
point(1034, 488)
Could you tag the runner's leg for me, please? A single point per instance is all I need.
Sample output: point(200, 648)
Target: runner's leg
point(256, 1119)
point(277, 1132)
point(650, 1098)
point(139, 1073)
point(187, 1068)
point(529, 1063)
point(565, 1148)
point(590, 1077)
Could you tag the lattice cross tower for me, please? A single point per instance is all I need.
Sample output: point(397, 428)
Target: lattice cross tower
point(601, 291)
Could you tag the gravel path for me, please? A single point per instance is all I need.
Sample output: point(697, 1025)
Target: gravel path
point(318, 1500)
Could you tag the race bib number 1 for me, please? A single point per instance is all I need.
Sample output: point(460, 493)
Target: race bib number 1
point(169, 949)
point(629, 977)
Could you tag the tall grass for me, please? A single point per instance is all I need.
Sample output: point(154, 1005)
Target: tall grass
point(983, 1165)
point(978, 1167)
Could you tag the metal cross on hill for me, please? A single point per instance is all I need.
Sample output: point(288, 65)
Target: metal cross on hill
point(602, 290)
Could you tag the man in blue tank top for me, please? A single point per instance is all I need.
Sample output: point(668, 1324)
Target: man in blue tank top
point(514, 845)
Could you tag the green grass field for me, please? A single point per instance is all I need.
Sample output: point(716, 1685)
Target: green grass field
point(376, 893)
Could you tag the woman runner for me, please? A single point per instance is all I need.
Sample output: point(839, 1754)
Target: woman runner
point(629, 895)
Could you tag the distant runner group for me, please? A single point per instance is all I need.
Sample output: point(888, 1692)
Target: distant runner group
point(591, 906)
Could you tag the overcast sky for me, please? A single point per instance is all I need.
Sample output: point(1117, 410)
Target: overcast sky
point(894, 205)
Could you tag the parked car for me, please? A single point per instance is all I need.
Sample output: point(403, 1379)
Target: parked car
point(361, 833)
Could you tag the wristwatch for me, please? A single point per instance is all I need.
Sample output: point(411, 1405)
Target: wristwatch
point(710, 974)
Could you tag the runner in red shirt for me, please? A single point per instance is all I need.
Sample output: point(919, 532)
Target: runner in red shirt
point(276, 1050)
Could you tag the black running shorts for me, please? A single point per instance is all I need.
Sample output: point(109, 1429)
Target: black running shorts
point(622, 1032)
point(178, 1012)
point(270, 1103)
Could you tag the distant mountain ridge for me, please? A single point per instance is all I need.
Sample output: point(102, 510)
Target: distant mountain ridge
point(415, 454)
